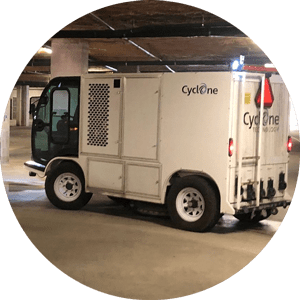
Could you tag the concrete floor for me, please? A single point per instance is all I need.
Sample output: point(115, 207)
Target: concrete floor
point(113, 250)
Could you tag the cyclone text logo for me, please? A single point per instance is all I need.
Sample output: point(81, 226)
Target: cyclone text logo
point(201, 89)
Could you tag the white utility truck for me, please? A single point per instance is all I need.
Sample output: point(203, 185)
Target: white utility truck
point(199, 144)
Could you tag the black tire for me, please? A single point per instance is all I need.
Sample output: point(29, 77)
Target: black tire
point(256, 218)
point(193, 204)
point(65, 187)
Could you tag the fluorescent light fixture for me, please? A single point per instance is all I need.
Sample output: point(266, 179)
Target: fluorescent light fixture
point(235, 65)
point(45, 50)
point(141, 48)
point(170, 69)
point(97, 69)
point(269, 66)
point(111, 68)
point(238, 64)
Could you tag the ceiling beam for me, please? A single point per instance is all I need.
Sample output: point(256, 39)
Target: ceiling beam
point(34, 78)
point(37, 68)
point(178, 30)
point(39, 62)
point(226, 61)
point(93, 63)
point(32, 83)
point(163, 62)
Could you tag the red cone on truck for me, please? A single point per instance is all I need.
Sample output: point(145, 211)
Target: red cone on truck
point(268, 95)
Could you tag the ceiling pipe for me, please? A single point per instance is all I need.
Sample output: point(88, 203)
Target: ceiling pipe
point(166, 62)
point(102, 21)
point(131, 42)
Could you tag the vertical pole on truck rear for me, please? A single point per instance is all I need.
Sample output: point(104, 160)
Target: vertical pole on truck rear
point(261, 114)
point(240, 140)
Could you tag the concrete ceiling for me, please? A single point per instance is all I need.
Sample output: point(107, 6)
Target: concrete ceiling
point(151, 36)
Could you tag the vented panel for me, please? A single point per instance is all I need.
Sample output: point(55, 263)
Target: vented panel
point(98, 114)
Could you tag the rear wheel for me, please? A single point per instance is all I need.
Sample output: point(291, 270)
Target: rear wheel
point(65, 187)
point(193, 204)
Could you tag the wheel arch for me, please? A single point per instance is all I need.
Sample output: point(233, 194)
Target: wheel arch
point(184, 173)
point(56, 162)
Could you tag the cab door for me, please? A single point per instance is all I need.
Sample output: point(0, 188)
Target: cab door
point(56, 120)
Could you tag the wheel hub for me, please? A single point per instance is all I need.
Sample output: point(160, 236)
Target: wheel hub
point(69, 186)
point(190, 204)
point(193, 203)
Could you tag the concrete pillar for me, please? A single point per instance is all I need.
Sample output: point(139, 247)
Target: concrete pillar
point(19, 106)
point(69, 57)
point(5, 136)
point(23, 103)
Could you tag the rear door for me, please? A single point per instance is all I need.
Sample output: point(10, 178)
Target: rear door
point(274, 120)
point(261, 133)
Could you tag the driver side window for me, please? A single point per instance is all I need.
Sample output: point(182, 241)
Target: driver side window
point(60, 115)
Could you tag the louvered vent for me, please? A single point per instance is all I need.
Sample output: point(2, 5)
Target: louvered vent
point(98, 114)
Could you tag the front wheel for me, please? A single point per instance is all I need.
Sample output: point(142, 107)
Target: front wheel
point(193, 204)
point(65, 187)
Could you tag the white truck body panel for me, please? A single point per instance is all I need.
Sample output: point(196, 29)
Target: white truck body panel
point(141, 99)
point(195, 127)
point(138, 130)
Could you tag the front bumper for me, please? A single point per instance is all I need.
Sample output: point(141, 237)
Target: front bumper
point(35, 168)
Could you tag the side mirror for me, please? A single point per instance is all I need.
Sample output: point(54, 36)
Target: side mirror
point(33, 103)
point(32, 109)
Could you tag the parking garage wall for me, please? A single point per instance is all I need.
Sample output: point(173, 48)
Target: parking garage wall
point(33, 92)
